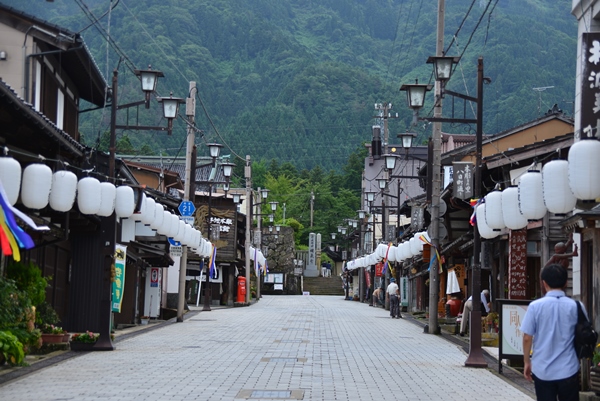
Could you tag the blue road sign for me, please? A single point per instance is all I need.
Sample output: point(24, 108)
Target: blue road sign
point(173, 242)
point(186, 208)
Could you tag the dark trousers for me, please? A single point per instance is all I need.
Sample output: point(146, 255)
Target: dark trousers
point(561, 390)
point(394, 306)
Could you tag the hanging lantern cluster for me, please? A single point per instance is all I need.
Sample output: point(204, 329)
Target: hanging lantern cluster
point(555, 189)
point(392, 253)
point(38, 187)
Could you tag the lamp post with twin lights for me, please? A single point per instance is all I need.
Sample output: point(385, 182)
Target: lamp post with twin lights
point(227, 167)
point(443, 67)
point(108, 224)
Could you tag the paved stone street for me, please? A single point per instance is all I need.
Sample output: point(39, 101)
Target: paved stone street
point(283, 347)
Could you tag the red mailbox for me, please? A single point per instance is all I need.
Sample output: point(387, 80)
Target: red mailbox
point(241, 292)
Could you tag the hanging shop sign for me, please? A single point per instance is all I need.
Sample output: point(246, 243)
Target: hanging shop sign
point(119, 277)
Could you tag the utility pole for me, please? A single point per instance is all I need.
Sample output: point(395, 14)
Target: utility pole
point(190, 112)
point(258, 243)
point(247, 244)
point(385, 114)
point(434, 279)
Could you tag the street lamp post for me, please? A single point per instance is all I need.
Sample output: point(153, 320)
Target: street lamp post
point(148, 79)
point(443, 67)
point(214, 149)
point(370, 198)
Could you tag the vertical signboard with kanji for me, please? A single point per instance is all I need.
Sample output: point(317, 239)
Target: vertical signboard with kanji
point(517, 264)
point(417, 217)
point(462, 176)
point(590, 86)
point(312, 249)
point(119, 277)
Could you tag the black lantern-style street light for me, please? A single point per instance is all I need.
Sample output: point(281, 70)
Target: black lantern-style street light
point(407, 140)
point(416, 94)
point(148, 79)
point(442, 68)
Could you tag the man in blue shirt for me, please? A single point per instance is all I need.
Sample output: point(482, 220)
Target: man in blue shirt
point(549, 325)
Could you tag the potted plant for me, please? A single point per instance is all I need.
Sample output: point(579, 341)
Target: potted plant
point(83, 341)
point(52, 334)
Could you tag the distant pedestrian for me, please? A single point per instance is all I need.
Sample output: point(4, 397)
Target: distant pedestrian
point(378, 297)
point(393, 292)
point(466, 314)
point(549, 325)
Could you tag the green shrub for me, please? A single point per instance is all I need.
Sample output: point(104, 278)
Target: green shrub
point(14, 305)
point(11, 348)
point(28, 278)
point(16, 314)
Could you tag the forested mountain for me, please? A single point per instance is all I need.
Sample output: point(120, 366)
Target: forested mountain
point(296, 80)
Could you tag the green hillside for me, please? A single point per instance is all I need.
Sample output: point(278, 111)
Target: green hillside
point(296, 80)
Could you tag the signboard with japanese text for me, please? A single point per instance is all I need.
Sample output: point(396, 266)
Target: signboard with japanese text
point(404, 291)
point(417, 217)
point(119, 278)
point(225, 222)
point(590, 86)
point(367, 278)
point(312, 249)
point(517, 264)
point(448, 175)
point(462, 176)
point(511, 314)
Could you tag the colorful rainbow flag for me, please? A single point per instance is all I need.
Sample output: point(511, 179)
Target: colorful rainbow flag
point(12, 237)
point(385, 260)
point(437, 258)
point(212, 263)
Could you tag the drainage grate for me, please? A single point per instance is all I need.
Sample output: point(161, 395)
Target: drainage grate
point(291, 341)
point(272, 394)
point(294, 328)
point(284, 360)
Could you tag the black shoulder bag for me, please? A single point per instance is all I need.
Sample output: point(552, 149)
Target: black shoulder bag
point(585, 335)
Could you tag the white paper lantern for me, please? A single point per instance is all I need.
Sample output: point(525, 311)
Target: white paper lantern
point(181, 232)
point(140, 213)
point(37, 182)
point(165, 227)
point(124, 202)
point(415, 246)
point(64, 190)
point(149, 212)
point(392, 254)
point(584, 165)
point(10, 176)
point(158, 216)
point(531, 196)
point(493, 210)
point(381, 250)
point(188, 236)
point(484, 230)
point(89, 195)
point(513, 218)
point(174, 228)
point(558, 196)
point(108, 194)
